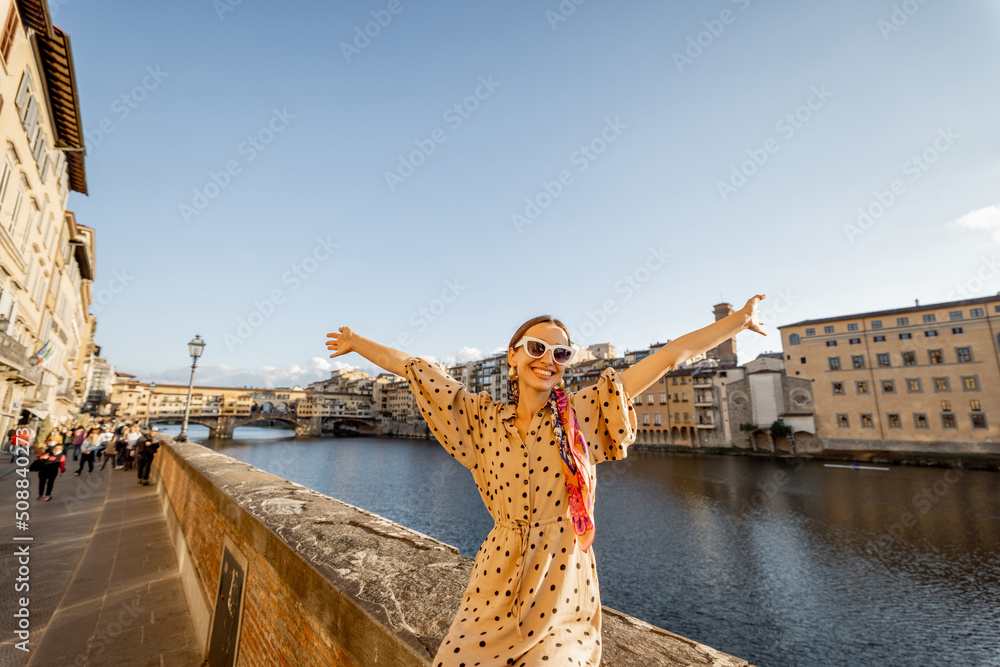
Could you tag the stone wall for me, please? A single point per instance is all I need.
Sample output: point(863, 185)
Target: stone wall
point(330, 584)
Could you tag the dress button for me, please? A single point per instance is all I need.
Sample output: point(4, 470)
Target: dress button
point(539, 414)
point(532, 433)
point(525, 508)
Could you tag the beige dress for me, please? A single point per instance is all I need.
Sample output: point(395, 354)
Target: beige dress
point(533, 597)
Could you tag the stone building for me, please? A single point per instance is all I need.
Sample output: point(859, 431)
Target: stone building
point(46, 257)
point(920, 378)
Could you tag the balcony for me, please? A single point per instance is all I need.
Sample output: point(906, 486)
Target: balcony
point(12, 353)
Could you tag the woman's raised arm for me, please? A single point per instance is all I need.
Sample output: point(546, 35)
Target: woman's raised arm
point(645, 372)
point(345, 340)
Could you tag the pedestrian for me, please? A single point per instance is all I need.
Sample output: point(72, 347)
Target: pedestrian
point(53, 463)
point(131, 438)
point(79, 434)
point(110, 451)
point(88, 450)
point(533, 598)
point(145, 450)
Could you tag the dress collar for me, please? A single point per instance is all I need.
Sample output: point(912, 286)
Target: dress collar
point(507, 412)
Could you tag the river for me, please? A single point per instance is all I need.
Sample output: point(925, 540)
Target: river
point(780, 562)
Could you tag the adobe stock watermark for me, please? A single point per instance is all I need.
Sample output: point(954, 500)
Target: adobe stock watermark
point(263, 309)
point(625, 288)
point(900, 16)
point(425, 315)
point(922, 503)
point(987, 270)
point(123, 106)
point(223, 7)
point(363, 35)
point(914, 168)
point(102, 298)
point(247, 151)
point(581, 158)
point(454, 116)
point(703, 40)
point(786, 126)
point(97, 644)
point(562, 12)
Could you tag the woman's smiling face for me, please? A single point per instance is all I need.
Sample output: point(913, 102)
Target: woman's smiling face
point(540, 375)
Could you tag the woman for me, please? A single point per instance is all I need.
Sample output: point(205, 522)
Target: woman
point(53, 463)
point(533, 598)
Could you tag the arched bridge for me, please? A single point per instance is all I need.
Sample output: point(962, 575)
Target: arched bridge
point(222, 426)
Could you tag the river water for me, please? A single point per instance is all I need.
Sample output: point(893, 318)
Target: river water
point(782, 563)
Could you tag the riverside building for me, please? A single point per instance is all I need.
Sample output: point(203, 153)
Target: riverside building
point(46, 257)
point(921, 378)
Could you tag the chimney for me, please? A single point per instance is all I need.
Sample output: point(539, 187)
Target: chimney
point(916, 301)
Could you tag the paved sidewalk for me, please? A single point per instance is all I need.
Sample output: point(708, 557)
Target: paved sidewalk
point(105, 586)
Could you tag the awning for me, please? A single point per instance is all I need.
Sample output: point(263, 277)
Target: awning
point(41, 414)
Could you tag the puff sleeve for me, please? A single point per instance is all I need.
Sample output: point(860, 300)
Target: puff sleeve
point(606, 416)
point(452, 413)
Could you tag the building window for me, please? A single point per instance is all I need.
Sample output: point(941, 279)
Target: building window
point(945, 406)
point(976, 312)
point(936, 356)
point(879, 339)
point(663, 398)
point(920, 420)
point(883, 360)
point(855, 341)
point(902, 321)
point(674, 380)
point(834, 363)
point(842, 421)
point(794, 339)
point(645, 419)
point(957, 330)
point(913, 385)
point(970, 383)
point(955, 315)
point(810, 332)
point(866, 420)
point(649, 398)
point(852, 327)
point(838, 388)
point(894, 420)
point(831, 343)
point(858, 360)
point(876, 324)
point(802, 359)
point(941, 384)
point(861, 386)
point(930, 318)
point(638, 399)
point(888, 387)
point(974, 405)
point(905, 336)
point(930, 333)
point(978, 419)
point(964, 354)
point(909, 358)
point(656, 419)
point(828, 329)
point(948, 420)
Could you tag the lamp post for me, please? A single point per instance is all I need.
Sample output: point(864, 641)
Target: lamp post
point(149, 405)
point(194, 348)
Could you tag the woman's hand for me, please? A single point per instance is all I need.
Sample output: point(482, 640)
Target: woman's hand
point(753, 315)
point(341, 342)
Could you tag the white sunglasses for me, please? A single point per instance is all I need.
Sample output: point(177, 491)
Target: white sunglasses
point(535, 347)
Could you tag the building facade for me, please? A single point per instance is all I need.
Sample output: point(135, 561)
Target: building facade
point(921, 378)
point(46, 257)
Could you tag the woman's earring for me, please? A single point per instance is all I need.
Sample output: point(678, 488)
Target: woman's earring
point(562, 385)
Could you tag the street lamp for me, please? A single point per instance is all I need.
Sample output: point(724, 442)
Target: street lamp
point(194, 348)
point(149, 405)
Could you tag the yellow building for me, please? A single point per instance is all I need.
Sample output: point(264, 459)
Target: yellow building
point(923, 378)
point(46, 258)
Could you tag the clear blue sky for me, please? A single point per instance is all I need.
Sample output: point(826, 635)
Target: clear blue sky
point(832, 100)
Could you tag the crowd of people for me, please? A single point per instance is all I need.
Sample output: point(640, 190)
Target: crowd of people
point(118, 441)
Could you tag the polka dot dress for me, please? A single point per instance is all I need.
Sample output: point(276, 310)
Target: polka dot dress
point(533, 597)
